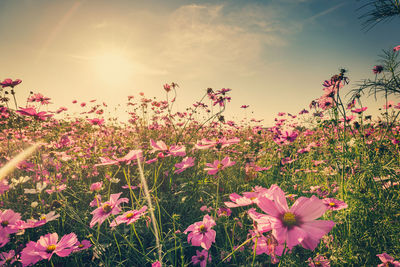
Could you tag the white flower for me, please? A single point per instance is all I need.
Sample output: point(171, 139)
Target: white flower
point(34, 204)
point(114, 180)
point(20, 180)
point(39, 188)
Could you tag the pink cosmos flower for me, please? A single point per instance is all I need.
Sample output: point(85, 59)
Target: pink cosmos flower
point(96, 121)
point(173, 150)
point(218, 143)
point(4, 186)
point(10, 83)
point(33, 113)
point(96, 186)
point(129, 217)
point(132, 155)
point(297, 225)
point(201, 233)
point(29, 255)
point(8, 218)
point(396, 48)
point(39, 98)
point(224, 212)
point(267, 244)
point(106, 209)
point(386, 259)
point(57, 188)
point(201, 258)
point(156, 264)
point(334, 204)
point(7, 258)
point(186, 163)
point(219, 165)
point(359, 110)
point(84, 244)
point(318, 261)
point(49, 245)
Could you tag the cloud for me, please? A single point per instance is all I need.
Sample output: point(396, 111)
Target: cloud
point(213, 37)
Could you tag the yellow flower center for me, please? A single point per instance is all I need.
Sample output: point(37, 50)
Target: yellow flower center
point(80, 246)
point(129, 215)
point(43, 218)
point(106, 208)
point(317, 263)
point(4, 223)
point(289, 219)
point(332, 204)
point(220, 166)
point(202, 228)
point(50, 248)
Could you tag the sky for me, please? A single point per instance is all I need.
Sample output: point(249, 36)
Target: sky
point(273, 54)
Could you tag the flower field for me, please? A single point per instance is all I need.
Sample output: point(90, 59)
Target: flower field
point(187, 188)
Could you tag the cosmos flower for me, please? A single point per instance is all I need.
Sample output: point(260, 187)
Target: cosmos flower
point(186, 163)
point(217, 165)
point(386, 259)
point(318, 261)
point(396, 48)
point(41, 116)
point(201, 233)
point(129, 217)
point(47, 246)
point(107, 208)
point(297, 225)
point(10, 83)
point(84, 244)
point(7, 258)
point(334, 204)
point(201, 258)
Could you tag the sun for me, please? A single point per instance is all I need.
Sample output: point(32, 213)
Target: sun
point(113, 66)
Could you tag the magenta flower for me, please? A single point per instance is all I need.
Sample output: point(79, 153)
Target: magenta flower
point(10, 83)
point(359, 110)
point(39, 98)
point(186, 163)
point(201, 233)
point(219, 165)
point(129, 217)
point(156, 264)
point(8, 218)
point(47, 245)
point(318, 261)
point(377, 69)
point(7, 258)
point(33, 113)
point(201, 258)
point(29, 255)
point(173, 150)
point(297, 225)
point(132, 155)
point(96, 186)
point(386, 259)
point(85, 244)
point(334, 204)
point(96, 121)
point(106, 209)
point(396, 48)
point(219, 143)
